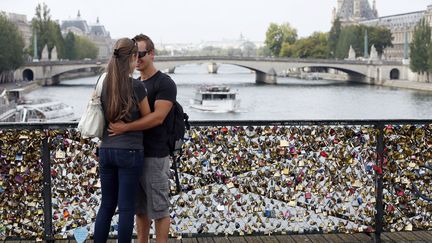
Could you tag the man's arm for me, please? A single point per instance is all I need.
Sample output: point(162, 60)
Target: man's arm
point(155, 118)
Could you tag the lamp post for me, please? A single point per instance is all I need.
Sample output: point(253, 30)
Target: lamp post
point(366, 45)
point(35, 57)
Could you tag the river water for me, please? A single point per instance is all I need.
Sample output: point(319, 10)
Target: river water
point(290, 99)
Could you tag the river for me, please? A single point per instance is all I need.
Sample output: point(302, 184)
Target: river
point(290, 99)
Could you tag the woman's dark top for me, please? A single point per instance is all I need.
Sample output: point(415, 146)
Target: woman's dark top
point(128, 140)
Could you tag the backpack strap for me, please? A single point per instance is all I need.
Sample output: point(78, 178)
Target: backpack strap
point(176, 161)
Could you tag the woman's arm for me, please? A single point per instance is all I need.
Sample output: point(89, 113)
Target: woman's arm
point(155, 118)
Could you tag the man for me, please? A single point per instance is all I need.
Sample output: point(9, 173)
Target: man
point(153, 197)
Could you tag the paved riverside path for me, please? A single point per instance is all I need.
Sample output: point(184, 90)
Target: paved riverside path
point(413, 236)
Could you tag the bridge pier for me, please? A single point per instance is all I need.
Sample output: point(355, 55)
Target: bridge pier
point(55, 80)
point(266, 78)
point(46, 81)
point(212, 68)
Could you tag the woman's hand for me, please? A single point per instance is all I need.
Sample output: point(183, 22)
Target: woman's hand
point(117, 128)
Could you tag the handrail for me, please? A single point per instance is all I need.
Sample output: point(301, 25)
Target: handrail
point(244, 123)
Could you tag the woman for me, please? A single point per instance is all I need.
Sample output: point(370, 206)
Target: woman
point(120, 156)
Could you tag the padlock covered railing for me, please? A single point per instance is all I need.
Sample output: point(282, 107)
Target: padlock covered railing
point(237, 177)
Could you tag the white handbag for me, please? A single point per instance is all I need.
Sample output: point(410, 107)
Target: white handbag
point(92, 122)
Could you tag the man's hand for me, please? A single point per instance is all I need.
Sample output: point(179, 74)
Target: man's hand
point(117, 128)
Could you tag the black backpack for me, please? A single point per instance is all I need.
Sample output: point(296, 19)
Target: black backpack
point(176, 132)
point(176, 128)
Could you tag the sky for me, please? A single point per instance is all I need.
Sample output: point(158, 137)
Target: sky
point(193, 21)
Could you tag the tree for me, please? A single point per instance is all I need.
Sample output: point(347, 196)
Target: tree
point(59, 40)
point(212, 51)
point(277, 35)
point(314, 46)
point(11, 46)
point(349, 36)
point(334, 37)
point(287, 50)
point(85, 48)
point(70, 46)
point(263, 51)
point(353, 36)
point(47, 31)
point(380, 37)
point(420, 47)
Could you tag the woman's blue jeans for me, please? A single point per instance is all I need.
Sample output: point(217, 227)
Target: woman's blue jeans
point(120, 170)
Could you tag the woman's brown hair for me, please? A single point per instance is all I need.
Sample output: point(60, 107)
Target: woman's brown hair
point(119, 89)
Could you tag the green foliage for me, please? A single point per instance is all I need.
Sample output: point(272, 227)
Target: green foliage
point(212, 51)
point(79, 47)
point(85, 48)
point(314, 46)
point(70, 47)
point(11, 45)
point(380, 37)
point(47, 32)
point(334, 37)
point(264, 51)
point(420, 47)
point(58, 42)
point(287, 50)
point(277, 35)
point(352, 35)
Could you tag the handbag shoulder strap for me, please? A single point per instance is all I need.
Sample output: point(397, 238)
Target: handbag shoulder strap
point(99, 84)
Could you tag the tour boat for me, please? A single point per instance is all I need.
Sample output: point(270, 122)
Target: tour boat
point(47, 111)
point(15, 108)
point(216, 98)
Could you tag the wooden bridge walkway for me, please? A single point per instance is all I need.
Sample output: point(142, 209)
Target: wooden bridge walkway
point(414, 236)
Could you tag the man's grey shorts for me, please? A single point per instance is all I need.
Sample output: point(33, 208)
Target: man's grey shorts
point(153, 194)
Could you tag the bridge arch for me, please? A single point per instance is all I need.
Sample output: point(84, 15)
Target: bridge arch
point(72, 73)
point(394, 73)
point(261, 76)
point(353, 75)
point(28, 74)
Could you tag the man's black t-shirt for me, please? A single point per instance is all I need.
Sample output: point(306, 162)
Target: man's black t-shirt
point(159, 87)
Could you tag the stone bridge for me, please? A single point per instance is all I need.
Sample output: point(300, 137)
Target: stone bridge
point(266, 69)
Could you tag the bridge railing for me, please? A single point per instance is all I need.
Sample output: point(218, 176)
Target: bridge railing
point(230, 58)
point(237, 177)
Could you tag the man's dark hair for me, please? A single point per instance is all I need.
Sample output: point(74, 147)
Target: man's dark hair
point(147, 40)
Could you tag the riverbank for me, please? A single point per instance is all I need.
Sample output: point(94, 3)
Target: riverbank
point(406, 84)
point(27, 86)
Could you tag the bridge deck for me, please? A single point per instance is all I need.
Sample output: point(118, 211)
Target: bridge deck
point(414, 236)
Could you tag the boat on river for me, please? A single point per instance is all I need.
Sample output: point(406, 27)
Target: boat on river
point(215, 98)
point(14, 108)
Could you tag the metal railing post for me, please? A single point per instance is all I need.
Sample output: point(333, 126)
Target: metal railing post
point(46, 163)
point(379, 217)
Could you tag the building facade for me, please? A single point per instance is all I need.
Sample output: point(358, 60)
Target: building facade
point(94, 32)
point(401, 25)
point(353, 11)
point(24, 27)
